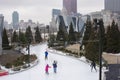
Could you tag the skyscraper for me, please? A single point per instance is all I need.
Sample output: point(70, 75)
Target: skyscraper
point(1, 29)
point(55, 12)
point(112, 5)
point(15, 20)
point(70, 6)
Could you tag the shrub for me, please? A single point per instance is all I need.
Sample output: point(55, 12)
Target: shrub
point(8, 65)
point(17, 69)
point(20, 61)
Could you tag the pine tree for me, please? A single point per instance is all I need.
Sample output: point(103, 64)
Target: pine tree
point(87, 32)
point(28, 34)
point(38, 37)
point(116, 37)
point(62, 35)
point(5, 42)
point(77, 36)
point(22, 38)
point(15, 37)
point(52, 40)
point(92, 47)
point(71, 35)
point(109, 39)
point(112, 38)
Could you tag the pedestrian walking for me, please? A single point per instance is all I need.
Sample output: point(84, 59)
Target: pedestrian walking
point(55, 66)
point(93, 65)
point(47, 69)
point(46, 55)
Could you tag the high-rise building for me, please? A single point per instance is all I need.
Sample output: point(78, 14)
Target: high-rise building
point(70, 6)
point(15, 20)
point(55, 12)
point(112, 5)
point(1, 29)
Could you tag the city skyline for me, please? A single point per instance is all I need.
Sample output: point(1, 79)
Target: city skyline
point(41, 11)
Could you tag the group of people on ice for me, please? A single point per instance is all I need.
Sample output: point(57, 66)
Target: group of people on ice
point(93, 65)
point(47, 66)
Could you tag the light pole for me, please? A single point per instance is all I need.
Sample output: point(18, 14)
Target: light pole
point(28, 54)
point(100, 49)
point(47, 28)
point(28, 48)
point(44, 33)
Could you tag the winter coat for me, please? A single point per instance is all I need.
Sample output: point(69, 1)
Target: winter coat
point(54, 65)
point(93, 64)
point(46, 53)
point(47, 67)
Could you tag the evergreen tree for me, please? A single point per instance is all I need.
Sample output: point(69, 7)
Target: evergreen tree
point(77, 36)
point(28, 34)
point(62, 35)
point(92, 48)
point(112, 38)
point(116, 37)
point(71, 35)
point(52, 40)
point(5, 42)
point(15, 37)
point(38, 37)
point(87, 32)
point(22, 38)
point(109, 39)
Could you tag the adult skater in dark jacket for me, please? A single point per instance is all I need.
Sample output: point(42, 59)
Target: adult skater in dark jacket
point(55, 66)
point(93, 65)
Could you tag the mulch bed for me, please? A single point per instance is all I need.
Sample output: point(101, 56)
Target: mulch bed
point(9, 56)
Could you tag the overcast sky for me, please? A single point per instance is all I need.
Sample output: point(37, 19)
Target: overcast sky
point(41, 10)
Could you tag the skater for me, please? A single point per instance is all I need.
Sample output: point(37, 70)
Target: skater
point(93, 65)
point(46, 55)
point(47, 68)
point(55, 66)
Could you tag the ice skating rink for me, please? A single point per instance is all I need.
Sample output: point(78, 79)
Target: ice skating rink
point(68, 68)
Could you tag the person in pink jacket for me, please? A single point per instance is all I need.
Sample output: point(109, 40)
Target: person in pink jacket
point(47, 69)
